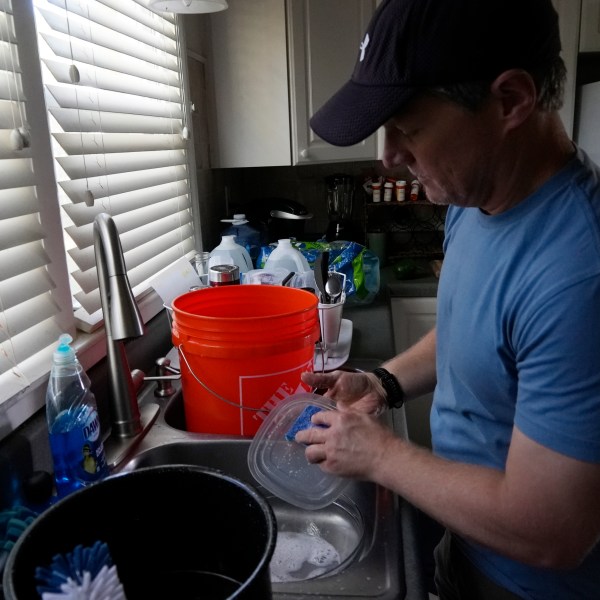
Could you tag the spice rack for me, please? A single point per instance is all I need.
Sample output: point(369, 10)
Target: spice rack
point(413, 229)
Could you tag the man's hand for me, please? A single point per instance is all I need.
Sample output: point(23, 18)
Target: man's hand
point(361, 391)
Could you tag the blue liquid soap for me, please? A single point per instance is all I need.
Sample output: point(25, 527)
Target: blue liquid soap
point(73, 423)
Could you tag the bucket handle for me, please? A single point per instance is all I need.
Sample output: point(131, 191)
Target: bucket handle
point(180, 347)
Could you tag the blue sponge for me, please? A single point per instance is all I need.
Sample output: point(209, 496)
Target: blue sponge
point(302, 422)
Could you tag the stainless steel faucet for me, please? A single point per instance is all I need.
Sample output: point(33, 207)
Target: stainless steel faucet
point(122, 320)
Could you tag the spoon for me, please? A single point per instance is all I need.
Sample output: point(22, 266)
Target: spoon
point(333, 287)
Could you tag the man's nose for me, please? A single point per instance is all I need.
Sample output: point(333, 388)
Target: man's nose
point(395, 153)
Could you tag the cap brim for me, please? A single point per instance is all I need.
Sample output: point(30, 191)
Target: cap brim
point(356, 111)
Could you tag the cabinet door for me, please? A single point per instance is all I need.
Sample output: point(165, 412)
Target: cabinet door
point(324, 39)
point(569, 14)
point(590, 26)
point(250, 76)
point(412, 318)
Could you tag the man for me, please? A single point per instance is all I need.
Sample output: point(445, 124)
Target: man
point(468, 92)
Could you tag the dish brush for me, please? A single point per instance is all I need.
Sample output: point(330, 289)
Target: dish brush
point(86, 573)
point(13, 523)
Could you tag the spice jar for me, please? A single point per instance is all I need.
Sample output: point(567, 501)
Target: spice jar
point(219, 275)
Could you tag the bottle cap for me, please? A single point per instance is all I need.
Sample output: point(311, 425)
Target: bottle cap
point(238, 219)
point(223, 275)
point(64, 353)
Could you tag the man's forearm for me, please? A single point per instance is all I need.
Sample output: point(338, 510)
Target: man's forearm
point(415, 367)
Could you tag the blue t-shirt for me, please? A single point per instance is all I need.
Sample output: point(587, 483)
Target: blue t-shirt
point(518, 342)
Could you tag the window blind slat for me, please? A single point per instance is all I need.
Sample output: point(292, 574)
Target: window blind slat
point(134, 231)
point(79, 52)
point(21, 259)
point(143, 198)
point(18, 201)
point(19, 361)
point(90, 143)
point(16, 172)
point(20, 230)
point(82, 98)
point(105, 79)
point(131, 240)
point(31, 308)
point(91, 121)
point(92, 165)
point(147, 269)
point(103, 187)
point(9, 112)
point(109, 17)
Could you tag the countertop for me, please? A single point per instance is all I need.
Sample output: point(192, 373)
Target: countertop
point(424, 284)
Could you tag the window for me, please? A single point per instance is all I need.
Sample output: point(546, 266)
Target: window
point(104, 77)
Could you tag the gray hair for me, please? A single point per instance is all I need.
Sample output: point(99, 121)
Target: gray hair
point(549, 81)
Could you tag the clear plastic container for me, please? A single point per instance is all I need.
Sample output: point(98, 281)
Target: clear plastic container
point(279, 463)
point(265, 276)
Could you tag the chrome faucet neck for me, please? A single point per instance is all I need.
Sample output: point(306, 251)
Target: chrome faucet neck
point(122, 320)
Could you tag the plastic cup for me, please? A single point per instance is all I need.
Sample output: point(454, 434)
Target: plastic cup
point(330, 319)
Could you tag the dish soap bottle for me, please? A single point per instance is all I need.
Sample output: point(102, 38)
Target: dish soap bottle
point(73, 423)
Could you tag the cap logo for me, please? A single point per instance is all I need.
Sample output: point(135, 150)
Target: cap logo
point(363, 47)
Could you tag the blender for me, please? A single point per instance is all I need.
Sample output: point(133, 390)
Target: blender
point(340, 194)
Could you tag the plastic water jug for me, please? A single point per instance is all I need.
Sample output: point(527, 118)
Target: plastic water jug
point(245, 235)
point(287, 257)
point(230, 253)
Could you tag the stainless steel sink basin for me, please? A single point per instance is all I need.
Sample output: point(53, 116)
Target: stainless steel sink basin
point(365, 524)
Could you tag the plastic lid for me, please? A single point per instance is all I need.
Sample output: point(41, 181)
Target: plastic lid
point(279, 463)
point(64, 353)
point(224, 274)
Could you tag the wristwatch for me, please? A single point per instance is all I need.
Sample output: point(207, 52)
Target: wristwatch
point(392, 387)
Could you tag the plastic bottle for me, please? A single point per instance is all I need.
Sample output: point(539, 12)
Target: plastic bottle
point(73, 423)
point(245, 235)
point(287, 257)
point(230, 253)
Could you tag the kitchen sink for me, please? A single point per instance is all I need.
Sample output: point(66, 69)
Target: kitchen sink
point(364, 525)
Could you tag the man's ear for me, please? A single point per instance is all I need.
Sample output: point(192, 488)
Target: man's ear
point(516, 94)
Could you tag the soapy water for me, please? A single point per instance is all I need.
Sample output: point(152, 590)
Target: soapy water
point(300, 556)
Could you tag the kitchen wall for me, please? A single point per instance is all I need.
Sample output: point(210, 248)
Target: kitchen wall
point(235, 187)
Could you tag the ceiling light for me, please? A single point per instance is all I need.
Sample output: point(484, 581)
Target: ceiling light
point(188, 6)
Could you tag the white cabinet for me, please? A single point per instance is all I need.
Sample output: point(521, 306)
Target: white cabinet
point(569, 15)
point(273, 65)
point(589, 40)
point(412, 318)
point(324, 38)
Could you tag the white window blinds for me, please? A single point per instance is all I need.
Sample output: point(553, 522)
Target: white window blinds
point(33, 291)
point(114, 93)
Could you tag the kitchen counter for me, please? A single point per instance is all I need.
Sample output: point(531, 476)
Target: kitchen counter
point(423, 285)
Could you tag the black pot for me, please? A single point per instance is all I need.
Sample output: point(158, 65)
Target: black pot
point(174, 531)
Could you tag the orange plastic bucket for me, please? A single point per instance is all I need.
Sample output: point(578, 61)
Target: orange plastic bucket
point(242, 349)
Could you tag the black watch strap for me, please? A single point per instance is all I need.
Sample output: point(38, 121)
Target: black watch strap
point(392, 387)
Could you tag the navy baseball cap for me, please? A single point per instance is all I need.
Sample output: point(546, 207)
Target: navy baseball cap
point(411, 45)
